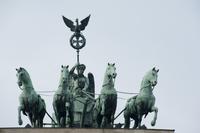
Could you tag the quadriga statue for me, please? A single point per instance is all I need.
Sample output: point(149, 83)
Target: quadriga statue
point(62, 104)
point(143, 103)
point(106, 103)
point(31, 104)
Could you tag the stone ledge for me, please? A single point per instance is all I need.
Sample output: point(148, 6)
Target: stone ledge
point(81, 130)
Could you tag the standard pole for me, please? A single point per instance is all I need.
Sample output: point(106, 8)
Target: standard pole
point(78, 56)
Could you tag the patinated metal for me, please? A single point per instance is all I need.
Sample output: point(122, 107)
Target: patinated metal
point(62, 104)
point(31, 104)
point(106, 103)
point(143, 103)
point(74, 101)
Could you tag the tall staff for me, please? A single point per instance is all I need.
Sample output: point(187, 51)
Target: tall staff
point(78, 41)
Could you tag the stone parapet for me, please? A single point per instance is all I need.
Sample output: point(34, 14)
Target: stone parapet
point(81, 130)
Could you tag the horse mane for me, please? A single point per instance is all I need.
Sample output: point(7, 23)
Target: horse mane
point(144, 79)
point(24, 70)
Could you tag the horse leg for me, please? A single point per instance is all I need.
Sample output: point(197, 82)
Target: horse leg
point(56, 109)
point(34, 123)
point(126, 121)
point(71, 117)
point(62, 121)
point(139, 110)
point(40, 118)
point(39, 123)
point(135, 124)
point(34, 120)
point(139, 120)
point(112, 121)
point(114, 98)
point(99, 120)
point(54, 119)
point(126, 118)
point(139, 115)
point(43, 115)
point(20, 122)
point(67, 119)
point(58, 117)
point(30, 118)
point(104, 122)
point(154, 109)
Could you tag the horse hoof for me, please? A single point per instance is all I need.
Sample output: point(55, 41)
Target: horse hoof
point(153, 123)
point(20, 122)
point(143, 127)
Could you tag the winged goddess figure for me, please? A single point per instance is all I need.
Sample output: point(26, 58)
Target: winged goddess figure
point(77, 40)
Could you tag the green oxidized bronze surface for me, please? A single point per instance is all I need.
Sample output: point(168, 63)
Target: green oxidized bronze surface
point(62, 104)
point(106, 103)
point(31, 104)
point(74, 101)
point(143, 103)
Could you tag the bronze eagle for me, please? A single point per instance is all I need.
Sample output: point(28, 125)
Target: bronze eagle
point(78, 27)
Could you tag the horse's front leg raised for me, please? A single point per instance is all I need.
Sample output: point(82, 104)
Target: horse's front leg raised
point(154, 109)
point(20, 122)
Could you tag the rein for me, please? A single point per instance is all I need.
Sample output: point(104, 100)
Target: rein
point(105, 84)
point(152, 87)
point(25, 87)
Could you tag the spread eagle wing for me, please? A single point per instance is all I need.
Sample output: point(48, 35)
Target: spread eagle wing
point(91, 87)
point(84, 23)
point(69, 23)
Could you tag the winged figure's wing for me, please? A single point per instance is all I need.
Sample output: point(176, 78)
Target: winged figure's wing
point(69, 23)
point(91, 87)
point(84, 23)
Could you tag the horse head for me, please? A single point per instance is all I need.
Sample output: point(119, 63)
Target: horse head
point(111, 70)
point(64, 79)
point(23, 77)
point(151, 78)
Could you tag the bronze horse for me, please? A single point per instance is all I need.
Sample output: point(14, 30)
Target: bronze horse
point(143, 103)
point(61, 100)
point(106, 103)
point(31, 103)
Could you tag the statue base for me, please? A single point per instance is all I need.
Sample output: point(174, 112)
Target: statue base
point(82, 130)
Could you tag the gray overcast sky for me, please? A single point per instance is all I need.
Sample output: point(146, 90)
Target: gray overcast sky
point(136, 35)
